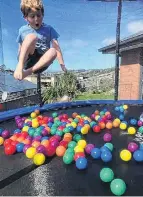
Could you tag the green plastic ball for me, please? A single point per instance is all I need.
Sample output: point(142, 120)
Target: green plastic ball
point(106, 175)
point(118, 187)
point(68, 158)
point(109, 145)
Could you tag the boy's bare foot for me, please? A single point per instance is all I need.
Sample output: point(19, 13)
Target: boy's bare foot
point(18, 73)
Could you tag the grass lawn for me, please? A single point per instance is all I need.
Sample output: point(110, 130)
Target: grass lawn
point(87, 96)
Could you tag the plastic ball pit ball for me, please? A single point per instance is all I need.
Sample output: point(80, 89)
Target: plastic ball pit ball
point(106, 175)
point(132, 147)
point(81, 163)
point(39, 159)
point(107, 137)
point(125, 155)
point(118, 187)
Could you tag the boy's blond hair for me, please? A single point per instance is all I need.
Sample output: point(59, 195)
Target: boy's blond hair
point(27, 5)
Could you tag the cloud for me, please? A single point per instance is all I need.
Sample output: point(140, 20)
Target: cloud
point(5, 32)
point(108, 41)
point(74, 43)
point(135, 26)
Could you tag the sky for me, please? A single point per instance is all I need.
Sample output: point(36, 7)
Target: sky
point(84, 27)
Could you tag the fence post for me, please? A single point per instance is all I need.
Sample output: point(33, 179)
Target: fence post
point(39, 89)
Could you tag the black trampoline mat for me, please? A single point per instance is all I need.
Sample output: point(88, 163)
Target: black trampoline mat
point(20, 177)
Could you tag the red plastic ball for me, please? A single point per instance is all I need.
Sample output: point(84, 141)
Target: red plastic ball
point(50, 151)
point(10, 149)
point(7, 142)
point(78, 155)
point(96, 129)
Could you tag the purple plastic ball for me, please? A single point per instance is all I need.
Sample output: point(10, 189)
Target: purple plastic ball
point(23, 119)
point(41, 149)
point(89, 148)
point(26, 147)
point(93, 116)
point(37, 138)
point(109, 117)
point(29, 138)
point(20, 125)
point(5, 134)
point(140, 123)
point(17, 117)
point(132, 147)
point(107, 137)
point(50, 119)
point(44, 132)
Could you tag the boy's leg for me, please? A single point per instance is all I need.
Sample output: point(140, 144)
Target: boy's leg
point(28, 47)
point(44, 61)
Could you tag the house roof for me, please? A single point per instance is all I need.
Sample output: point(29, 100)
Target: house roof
point(9, 84)
point(128, 43)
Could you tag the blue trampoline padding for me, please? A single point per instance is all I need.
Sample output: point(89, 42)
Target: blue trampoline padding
point(27, 110)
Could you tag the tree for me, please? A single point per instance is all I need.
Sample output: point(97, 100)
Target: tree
point(66, 85)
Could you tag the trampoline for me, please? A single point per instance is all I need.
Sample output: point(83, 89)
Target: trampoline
point(19, 176)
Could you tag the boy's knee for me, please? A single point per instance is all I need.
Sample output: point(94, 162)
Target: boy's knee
point(53, 52)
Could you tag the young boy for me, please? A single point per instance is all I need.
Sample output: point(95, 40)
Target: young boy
point(35, 54)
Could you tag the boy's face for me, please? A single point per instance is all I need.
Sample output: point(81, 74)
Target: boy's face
point(35, 18)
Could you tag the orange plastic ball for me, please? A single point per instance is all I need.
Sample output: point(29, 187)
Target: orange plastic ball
point(60, 151)
point(109, 125)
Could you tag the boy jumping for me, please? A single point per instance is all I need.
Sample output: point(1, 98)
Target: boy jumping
point(35, 54)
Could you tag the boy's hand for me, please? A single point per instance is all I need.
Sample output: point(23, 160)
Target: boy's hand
point(63, 68)
point(18, 74)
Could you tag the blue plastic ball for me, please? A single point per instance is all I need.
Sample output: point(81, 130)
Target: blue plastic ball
point(17, 131)
point(138, 155)
point(117, 108)
point(96, 153)
point(106, 156)
point(104, 148)
point(1, 130)
point(133, 121)
point(19, 147)
point(81, 163)
point(121, 117)
point(50, 124)
point(79, 129)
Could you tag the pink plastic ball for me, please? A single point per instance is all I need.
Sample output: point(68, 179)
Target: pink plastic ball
point(132, 147)
point(140, 123)
point(107, 137)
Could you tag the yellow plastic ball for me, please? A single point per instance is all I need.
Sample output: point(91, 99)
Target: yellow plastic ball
point(82, 143)
point(125, 107)
point(78, 149)
point(125, 155)
point(123, 126)
point(30, 152)
point(1, 141)
point(25, 128)
point(131, 130)
point(33, 115)
point(39, 159)
point(84, 130)
point(97, 117)
point(73, 124)
point(35, 124)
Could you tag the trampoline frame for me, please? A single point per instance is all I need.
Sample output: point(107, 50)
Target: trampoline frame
point(6, 115)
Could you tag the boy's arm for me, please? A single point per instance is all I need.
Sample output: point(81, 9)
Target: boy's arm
point(19, 49)
point(56, 45)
